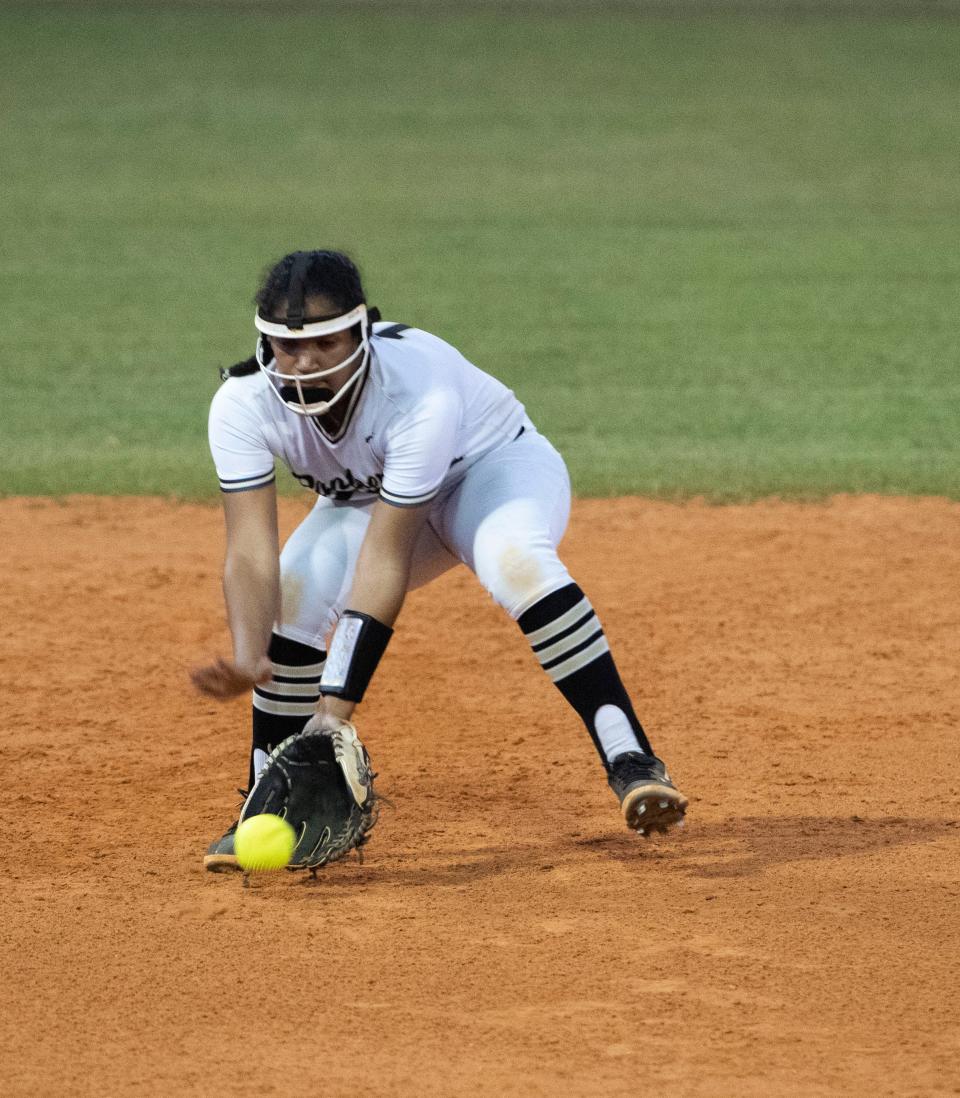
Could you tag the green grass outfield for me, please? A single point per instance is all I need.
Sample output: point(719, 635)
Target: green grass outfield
point(713, 256)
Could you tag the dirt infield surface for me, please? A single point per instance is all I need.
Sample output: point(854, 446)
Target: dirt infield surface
point(795, 664)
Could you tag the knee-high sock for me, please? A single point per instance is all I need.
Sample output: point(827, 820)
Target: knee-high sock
point(567, 638)
point(283, 706)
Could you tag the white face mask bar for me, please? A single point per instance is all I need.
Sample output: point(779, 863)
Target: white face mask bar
point(285, 385)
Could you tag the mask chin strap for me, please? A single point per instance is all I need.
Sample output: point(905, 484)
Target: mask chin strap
point(279, 381)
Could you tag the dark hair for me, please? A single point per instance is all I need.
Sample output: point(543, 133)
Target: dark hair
point(332, 275)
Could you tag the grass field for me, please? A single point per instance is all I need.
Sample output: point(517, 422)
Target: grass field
point(713, 256)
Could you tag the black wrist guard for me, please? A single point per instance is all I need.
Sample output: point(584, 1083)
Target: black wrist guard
point(355, 651)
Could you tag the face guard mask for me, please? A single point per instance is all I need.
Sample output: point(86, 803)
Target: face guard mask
point(306, 394)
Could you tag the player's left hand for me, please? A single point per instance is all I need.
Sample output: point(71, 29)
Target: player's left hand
point(224, 679)
point(331, 715)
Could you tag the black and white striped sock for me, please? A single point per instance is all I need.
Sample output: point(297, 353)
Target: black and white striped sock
point(567, 638)
point(283, 706)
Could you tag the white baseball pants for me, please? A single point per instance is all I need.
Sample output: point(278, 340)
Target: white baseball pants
point(504, 520)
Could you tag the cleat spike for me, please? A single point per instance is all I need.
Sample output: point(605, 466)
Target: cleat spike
point(647, 795)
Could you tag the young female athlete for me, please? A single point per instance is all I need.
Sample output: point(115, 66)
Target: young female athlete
point(420, 461)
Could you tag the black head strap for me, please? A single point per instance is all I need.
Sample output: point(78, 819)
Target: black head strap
point(296, 290)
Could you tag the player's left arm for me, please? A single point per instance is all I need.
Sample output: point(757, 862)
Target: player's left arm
point(383, 566)
point(419, 449)
point(382, 573)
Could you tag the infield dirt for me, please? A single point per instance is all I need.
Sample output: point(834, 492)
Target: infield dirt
point(795, 664)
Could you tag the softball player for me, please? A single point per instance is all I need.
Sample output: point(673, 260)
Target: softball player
point(420, 461)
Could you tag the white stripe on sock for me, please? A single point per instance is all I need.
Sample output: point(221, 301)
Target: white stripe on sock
point(578, 636)
point(284, 709)
point(311, 671)
point(581, 659)
point(551, 629)
point(292, 689)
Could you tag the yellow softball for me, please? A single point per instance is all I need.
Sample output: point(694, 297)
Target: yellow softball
point(264, 842)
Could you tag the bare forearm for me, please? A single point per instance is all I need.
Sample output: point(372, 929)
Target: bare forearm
point(379, 586)
point(381, 578)
point(251, 589)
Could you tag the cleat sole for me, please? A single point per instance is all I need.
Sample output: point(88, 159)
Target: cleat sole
point(221, 863)
point(659, 809)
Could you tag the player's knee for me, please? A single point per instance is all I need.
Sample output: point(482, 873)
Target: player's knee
point(516, 576)
point(309, 599)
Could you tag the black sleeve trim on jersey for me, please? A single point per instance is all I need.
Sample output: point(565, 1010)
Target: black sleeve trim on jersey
point(241, 369)
point(242, 480)
point(245, 488)
point(407, 501)
point(248, 484)
point(394, 503)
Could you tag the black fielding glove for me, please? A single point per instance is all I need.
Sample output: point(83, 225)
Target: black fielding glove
point(321, 783)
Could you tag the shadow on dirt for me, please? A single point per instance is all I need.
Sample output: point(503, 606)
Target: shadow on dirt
point(733, 848)
point(454, 869)
point(746, 846)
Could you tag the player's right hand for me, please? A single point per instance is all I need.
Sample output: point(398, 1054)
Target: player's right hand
point(224, 679)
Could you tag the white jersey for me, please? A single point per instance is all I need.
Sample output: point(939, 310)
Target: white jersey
point(424, 416)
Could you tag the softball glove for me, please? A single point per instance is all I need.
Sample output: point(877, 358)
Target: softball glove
point(321, 783)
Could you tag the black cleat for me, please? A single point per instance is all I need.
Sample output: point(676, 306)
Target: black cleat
point(649, 801)
point(221, 856)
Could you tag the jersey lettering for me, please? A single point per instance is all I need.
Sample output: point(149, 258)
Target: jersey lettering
point(344, 487)
point(425, 414)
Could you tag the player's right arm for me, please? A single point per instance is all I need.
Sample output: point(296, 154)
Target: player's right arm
point(251, 584)
point(251, 590)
